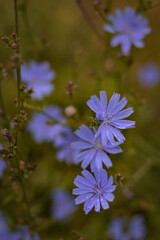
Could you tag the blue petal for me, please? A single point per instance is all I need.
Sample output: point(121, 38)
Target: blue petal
point(104, 203)
point(118, 135)
point(118, 106)
point(110, 181)
point(97, 205)
point(80, 156)
point(126, 46)
point(98, 161)
point(79, 191)
point(88, 158)
point(113, 103)
point(89, 176)
point(109, 189)
point(123, 114)
point(103, 157)
point(103, 98)
point(109, 135)
point(81, 145)
point(95, 104)
point(104, 178)
point(123, 124)
point(85, 133)
point(113, 150)
point(82, 198)
point(89, 204)
point(80, 181)
point(109, 196)
point(117, 40)
point(109, 28)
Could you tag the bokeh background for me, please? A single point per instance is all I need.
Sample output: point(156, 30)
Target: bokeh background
point(57, 32)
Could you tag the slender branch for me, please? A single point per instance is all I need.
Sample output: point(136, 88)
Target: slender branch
point(26, 21)
point(1, 99)
point(26, 199)
point(88, 18)
point(18, 70)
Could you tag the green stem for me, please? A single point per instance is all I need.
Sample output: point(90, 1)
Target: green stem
point(18, 70)
point(25, 198)
point(26, 21)
point(1, 99)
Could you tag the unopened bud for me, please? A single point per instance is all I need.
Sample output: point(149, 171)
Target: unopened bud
point(22, 166)
point(7, 134)
point(14, 45)
point(5, 39)
point(70, 111)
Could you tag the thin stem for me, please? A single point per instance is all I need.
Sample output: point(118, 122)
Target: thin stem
point(18, 70)
point(88, 18)
point(23, 190)
point(25, 198)
point(1, 99)
point(26, 21)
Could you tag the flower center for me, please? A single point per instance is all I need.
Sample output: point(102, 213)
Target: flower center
point(99, 190)
point(97, 144)
point(108, 118)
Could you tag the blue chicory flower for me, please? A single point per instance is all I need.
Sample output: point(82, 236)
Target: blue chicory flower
point(92, 150)
point(111, 117)
point(38, 76)
point(129, 28)
point(121, 228)
point(63, 142)
point(2, 165)
point(94, 190)
point(62, 204)
point(149, 75)
point(42, 125)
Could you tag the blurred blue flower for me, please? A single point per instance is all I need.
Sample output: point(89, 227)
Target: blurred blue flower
point(111, 117)
point(64, 142)
point(2, 165)
point(21, 234)
point(94, 190)
point(121, 228)
point(24, 234)
point(149, 75)
point(129, 28)
point(92, 150)
point(42, 125)
point(4, 231)
point(38, 76)
point(62, 204)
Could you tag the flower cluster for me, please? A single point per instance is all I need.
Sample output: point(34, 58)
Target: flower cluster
point(122, 228)
point(95, 145)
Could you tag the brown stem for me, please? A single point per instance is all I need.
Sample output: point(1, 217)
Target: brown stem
point(88, 18)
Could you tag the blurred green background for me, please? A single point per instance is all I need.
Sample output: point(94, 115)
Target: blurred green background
point(56, 31)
